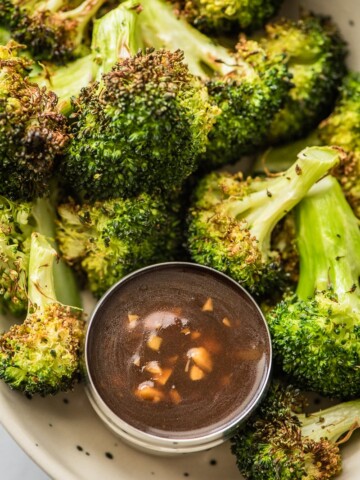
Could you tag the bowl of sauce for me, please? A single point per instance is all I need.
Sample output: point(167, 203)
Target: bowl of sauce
point(177, 356)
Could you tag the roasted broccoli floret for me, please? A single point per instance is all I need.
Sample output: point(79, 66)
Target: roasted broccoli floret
point(51, 29)
point(110, 239)
point(342, 128)
point(32, 131)
point(280, 441)
point(232, 218)
point(43, 354)
point(18, 220)
point(316, 331)
point(224, 15)
point(315, 54)
point(142, 127)
point(247, 86)
point(110, 40)
point(15, 232)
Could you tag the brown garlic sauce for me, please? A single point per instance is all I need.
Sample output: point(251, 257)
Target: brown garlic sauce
point(178, 352)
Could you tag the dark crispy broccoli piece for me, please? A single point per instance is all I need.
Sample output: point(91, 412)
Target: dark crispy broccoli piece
point(315, 55)
point(51, 29)
point(232, 219)
point(316, 331)
point(110, 239)
point(42, 355)
point(32, 131)
point(246, 85)
point(223, 16)
point(282, 442)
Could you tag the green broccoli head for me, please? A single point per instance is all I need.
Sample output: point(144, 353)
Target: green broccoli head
point(42, 355)
point(223, 16)
point(248, 99)
point(342, 128)
point(32, 131)
point(52, 30)
point(281, 441)
point(315, 56)
point(141, 129)
point(247, 86)
point(316, 332)
point(109, 239)
point(232, 220)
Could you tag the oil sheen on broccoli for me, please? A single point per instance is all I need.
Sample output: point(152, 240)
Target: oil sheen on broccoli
point(315, 55)
point(43, 354)
point(51, 29)
point(110, 239)
point(316, 331)
point(32, 131)
point(282, 442)
point(224, 15)
point(246, 85)
point(232, 218)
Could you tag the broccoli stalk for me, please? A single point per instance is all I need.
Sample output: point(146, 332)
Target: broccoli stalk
point(114, 38)
point(247, 86)
point(280, 441)
point(43, 354)
point(232, 219)
point(49, 28)
point(316, 331)
point(17, 222)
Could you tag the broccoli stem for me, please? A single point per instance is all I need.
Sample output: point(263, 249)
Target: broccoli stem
point(66, 288)
point(332, 422)
point(82, 15)
point(327, 258)
point(277, 196)
point(115, 36)
point(41, 287)
point(162, 29)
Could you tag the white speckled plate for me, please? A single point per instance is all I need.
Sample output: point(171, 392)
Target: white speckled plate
point(66, 438)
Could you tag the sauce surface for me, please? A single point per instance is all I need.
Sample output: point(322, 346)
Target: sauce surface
point(177, 351)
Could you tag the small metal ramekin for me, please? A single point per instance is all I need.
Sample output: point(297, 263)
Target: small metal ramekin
point(161, 445)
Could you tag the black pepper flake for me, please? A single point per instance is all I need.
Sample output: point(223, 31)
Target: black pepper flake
point(66, 400)
point(186, 474)
point(213, 461)
point(28, 396)
point(80, 448)
point(351, 23)
point(109, 455)
point(50, 424)
point(87, 453)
